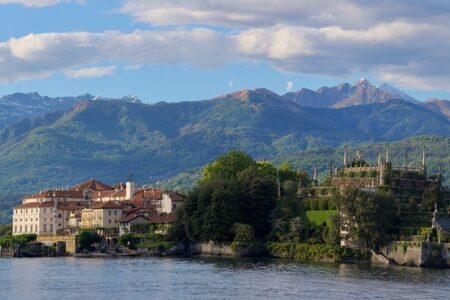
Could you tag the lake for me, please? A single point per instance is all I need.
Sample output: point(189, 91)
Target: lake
point(216, 278)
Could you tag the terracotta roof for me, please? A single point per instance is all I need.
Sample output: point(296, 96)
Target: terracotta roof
point(93, 185)
point(151, 193)
point(36, 205)
point(57, 194)
point(69, 205)
point(131, 217)
point(176, 197)
point(107, 205)
point(163, 218)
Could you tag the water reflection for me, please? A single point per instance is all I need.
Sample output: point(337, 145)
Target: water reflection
point(213, 277)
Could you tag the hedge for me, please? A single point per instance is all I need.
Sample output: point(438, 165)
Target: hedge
point(316, 252)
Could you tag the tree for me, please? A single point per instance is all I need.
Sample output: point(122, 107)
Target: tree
point(287, 173)
point(228, 195)
point(227, 166)
point(243, 232)
point(259, 193)
point(86, 238)
point(370, 215)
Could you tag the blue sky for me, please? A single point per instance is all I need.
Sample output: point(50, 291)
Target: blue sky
point(177, 50)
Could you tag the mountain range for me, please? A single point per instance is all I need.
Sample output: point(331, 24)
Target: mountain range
point(69, 139)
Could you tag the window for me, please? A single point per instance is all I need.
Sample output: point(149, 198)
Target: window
point(51, 210)
point(35, 228)
point(115, 212)
point(109, 212)
point(20, 228)
point(44, 227)
point(109, 221)
point(59, 215)
point(45, 210)
point(51, 227)
point(15, 228)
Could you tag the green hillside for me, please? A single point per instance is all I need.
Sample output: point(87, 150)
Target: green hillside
point(109, 139)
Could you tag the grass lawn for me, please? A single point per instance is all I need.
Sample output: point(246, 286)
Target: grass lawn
point(319, 216)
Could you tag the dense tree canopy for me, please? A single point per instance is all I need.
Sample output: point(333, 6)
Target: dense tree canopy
point(233, 190)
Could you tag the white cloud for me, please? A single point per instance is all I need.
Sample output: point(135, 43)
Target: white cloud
point(91, 72)
point(40, 55)
point(38, 3)
point(262, 13)
point(400, 51)
point(231, 83)
point(289, 86)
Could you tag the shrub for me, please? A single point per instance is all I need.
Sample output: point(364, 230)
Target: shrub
point(331, 204)
point(243, 232)
point(314, 204)
point(86, 238)
point(316, 252)
point(372, 173)
point(323, 204)
point(351, 174)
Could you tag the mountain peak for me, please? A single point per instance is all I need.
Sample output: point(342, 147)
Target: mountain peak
point(362, 81)
point(248, 94)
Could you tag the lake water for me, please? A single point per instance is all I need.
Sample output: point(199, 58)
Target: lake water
point(213, 278)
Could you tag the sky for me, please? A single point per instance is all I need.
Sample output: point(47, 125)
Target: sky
point(177, 50)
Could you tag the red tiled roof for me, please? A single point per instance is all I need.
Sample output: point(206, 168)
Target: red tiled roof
point(36, 205)
point(131, 217)
point(57, 194)
point(151, 193)
point(107, 205)
point(176, 197)
point(93, 185)
point(69, 205)
point(163, 218)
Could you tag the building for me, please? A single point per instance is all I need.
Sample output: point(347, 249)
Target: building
point(131, 221)
point(169, 203)
point(93, 205)
point(103, 216)
point(44, 218)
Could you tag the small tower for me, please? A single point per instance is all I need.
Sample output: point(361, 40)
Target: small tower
point(424, 163)
point(381, 174)
point(345, 156)
point(315, 174)
point(386, 159)
point(379, 157)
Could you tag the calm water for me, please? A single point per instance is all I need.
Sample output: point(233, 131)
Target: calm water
point(218, 278)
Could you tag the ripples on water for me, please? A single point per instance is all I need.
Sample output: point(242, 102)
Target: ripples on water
point(216, 278)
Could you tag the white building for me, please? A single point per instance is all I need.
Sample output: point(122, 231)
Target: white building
point(169, 202)
point(44, 218)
